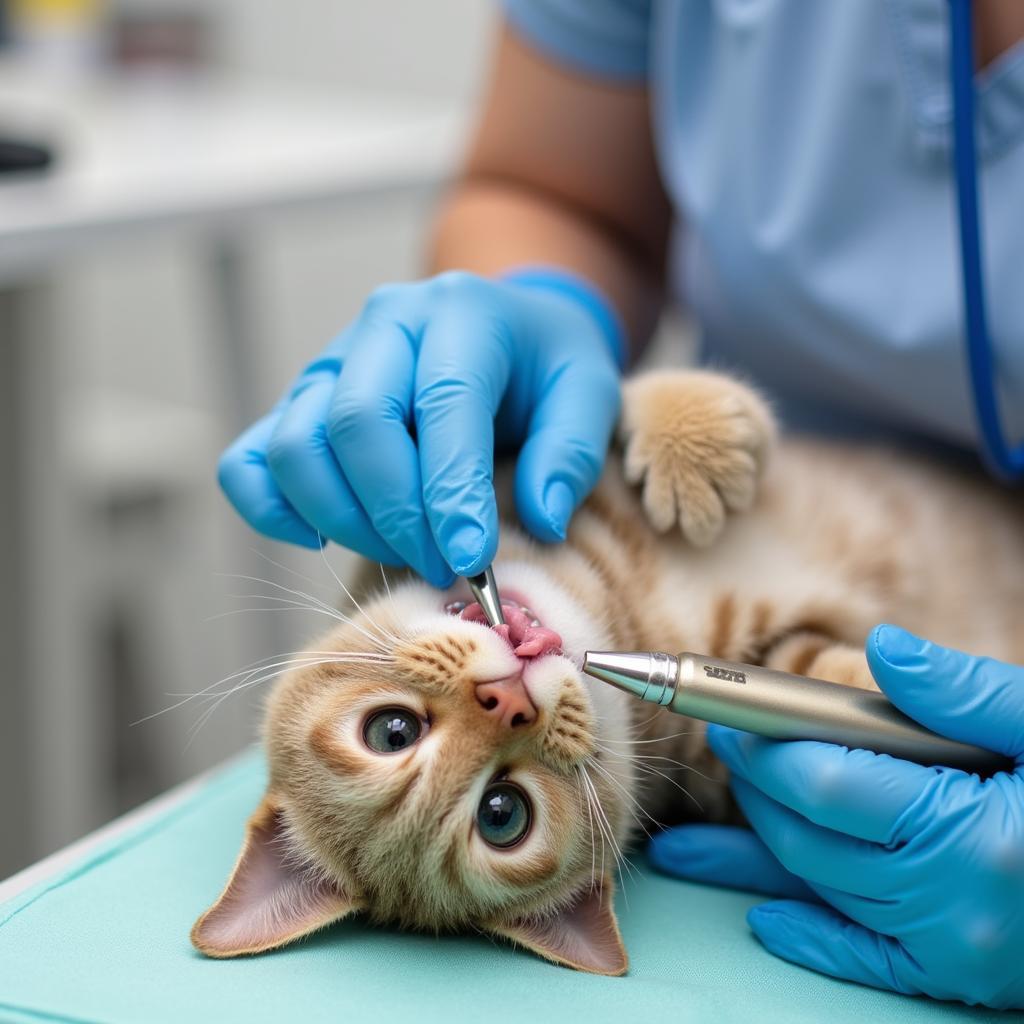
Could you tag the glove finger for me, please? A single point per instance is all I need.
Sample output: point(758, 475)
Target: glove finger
point(870, 796)
point(568, 439)
point(368, 428)
point(464, 364)
point(727, 856)
point(823, 940)
point(246, 479)
point(974, 700)
point(819, 855)
point(305, 469)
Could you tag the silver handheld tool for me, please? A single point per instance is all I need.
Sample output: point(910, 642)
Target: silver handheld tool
point(782, 706)
point(485, 591)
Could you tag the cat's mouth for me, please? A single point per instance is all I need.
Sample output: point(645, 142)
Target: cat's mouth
point(523, 631)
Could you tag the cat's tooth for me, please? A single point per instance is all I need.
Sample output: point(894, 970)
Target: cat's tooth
point(534, 621)
point(455, 607)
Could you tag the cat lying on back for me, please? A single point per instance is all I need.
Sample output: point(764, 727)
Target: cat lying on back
point(431, 772)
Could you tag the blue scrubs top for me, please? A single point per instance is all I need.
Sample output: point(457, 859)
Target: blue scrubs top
point(806, 147)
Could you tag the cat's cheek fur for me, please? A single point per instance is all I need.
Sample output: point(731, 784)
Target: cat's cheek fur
point(583, 934)
point(269, 899)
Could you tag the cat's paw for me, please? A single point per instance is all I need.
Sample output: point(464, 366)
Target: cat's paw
point(697, 441)
point(845, 665)
point(806, 653)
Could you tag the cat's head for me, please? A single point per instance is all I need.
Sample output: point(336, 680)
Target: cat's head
point(431, 772)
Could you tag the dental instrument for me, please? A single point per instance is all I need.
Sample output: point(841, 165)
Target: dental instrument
point(485, 591)
point(782, 706)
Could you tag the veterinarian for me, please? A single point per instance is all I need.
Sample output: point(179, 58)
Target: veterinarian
point(784, 169)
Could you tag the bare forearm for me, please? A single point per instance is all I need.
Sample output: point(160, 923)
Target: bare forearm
point(490, 226)
point(561, 171)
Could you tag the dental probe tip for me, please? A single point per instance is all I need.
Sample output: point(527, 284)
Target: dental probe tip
point(648, 675)
point(485, 590)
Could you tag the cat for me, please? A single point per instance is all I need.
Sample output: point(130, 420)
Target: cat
point(434, 773)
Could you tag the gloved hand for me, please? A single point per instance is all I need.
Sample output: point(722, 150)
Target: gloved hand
point(899, 876)
point(385, 443)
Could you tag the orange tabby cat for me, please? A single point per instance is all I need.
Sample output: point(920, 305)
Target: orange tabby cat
point(431, 772)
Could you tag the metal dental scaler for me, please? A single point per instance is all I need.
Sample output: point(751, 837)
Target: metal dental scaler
point(783, 706)
point(485, 591)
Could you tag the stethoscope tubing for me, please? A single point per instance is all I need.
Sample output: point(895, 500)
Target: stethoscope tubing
point(1004, 462)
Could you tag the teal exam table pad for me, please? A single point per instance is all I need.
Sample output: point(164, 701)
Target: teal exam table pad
point(106, 942)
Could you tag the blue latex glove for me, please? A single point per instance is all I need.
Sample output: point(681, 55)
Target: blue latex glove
point(899, 876)
point(530, 362)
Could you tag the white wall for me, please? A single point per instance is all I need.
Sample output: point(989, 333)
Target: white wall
point(429, 47)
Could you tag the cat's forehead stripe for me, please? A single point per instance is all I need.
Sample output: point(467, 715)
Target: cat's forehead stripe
point(334, 755)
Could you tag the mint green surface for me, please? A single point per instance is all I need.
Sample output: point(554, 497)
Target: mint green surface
point(107, 942)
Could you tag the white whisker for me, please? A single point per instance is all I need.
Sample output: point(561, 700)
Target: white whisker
point(648, 770)
point(644, 758)
point(279, 586)
point(327, 609)
point(618, 848)
point(607, 827)
point(622, 862)
point(633, 804)
point(590, 824)
point(315, 604)
point(384, 578)
point(298, 663)
point(294, 572)
point(659, 739)
point(254, 680)
point(287, 600)
point(301, 659)
point(348, 593)
point(595, 802)
point(245, 611)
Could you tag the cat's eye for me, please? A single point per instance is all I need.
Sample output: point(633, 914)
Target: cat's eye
point(503, 817)
point(392, 730)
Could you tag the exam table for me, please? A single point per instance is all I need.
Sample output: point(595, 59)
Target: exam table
point(100, 935)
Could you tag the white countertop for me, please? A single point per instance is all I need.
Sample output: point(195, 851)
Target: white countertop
point(138, 154)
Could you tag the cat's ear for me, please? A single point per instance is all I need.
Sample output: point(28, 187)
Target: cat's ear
point(584, 935)
point(269, 900)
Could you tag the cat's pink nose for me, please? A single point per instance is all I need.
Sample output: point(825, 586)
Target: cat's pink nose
point(507, 700)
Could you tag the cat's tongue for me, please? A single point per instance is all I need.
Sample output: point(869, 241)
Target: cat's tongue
point(526, 640)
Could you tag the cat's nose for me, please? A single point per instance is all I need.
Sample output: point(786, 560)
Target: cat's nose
point(507, 700)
